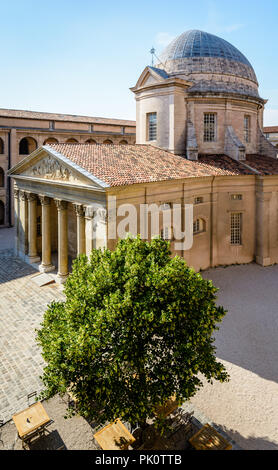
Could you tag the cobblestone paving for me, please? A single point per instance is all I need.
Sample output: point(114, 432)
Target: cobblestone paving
point(22, 305)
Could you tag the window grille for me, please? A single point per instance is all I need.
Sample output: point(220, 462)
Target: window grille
point(247, 128)
point(152, 126)
point(198, 226)
point(236, 228)
point(209, 127)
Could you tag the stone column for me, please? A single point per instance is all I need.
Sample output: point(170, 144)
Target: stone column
point(101, 228)
point(90, 213)
point(16, 220)
point(32, 228)
point(23, 224)
point(46, 264)
point(63, 269)
point(80, 219)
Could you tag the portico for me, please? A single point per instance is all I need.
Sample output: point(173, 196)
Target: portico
point(60, 212)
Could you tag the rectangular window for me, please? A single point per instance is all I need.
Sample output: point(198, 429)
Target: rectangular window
point(236, 228)
point(236, 197)
point(152, 126)
point(209, 127)
point(198, 200)
point(196, 226)
point(247, 128)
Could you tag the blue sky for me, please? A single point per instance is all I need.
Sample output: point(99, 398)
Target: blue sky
point(82, 56)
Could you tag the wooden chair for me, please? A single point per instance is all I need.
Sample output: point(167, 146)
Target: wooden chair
point(31, 395)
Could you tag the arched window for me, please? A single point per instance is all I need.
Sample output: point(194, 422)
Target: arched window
point(71, 141)
point(1, 146)
point(50, 140)
point(90, 141)
point(108, 142)
point(2, 213)
point(123, 142)
point(27, 145)
point(2, 177)
point(199, 226)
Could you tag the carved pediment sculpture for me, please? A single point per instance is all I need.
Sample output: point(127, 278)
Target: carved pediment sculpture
point(50, 168)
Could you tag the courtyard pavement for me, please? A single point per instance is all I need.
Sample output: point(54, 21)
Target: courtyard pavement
point(246, 408)
point(22, 304)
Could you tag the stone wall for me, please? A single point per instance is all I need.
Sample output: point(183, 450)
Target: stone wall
point(212, 247)
point(265, 147)
point(233, 146)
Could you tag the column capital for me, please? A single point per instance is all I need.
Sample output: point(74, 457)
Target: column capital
point(102, 214)
point(16, 193)
point(90, 212)
point(60, 204)
point(45, 200)
point(31, 196)
point(22, 195)
point(79, 210)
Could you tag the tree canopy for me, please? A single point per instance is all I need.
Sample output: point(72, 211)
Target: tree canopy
point(135, 329)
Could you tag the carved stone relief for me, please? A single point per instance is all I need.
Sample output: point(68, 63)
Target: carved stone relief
point(49, 168)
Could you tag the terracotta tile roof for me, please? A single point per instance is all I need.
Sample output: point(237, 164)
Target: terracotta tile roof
point(119, 165)
point(270, 129)
point(18, 113)
point(265, 165)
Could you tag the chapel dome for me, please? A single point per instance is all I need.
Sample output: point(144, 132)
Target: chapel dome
point(196, 53)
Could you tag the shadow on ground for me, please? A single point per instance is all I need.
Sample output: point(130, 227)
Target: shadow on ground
point(250, 442)
point(248, 333)
point(51, 441)
point(12, 268)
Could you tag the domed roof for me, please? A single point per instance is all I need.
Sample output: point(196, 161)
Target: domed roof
point(196, 43)
point(199, 52)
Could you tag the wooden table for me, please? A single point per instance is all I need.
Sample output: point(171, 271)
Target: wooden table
point(114, 436)
point(168, 408)
point(31, 421)
point(209, 439)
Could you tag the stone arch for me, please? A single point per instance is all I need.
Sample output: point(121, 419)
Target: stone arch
point(1, 145)
point(27, 145)
point(90, 141)
point(2, 177)
point(50, 140)
point(71, 141)
point(123, 142)
point(108, 142)
point(2, 213)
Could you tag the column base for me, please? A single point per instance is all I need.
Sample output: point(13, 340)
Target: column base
point(46, 269)
point(61, 278)
point(263, 261)
point(33, 259)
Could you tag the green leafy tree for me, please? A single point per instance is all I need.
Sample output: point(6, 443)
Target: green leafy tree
point(135, 329)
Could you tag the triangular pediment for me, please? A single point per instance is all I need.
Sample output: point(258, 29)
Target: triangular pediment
point(151, 76)
point(49, 166)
